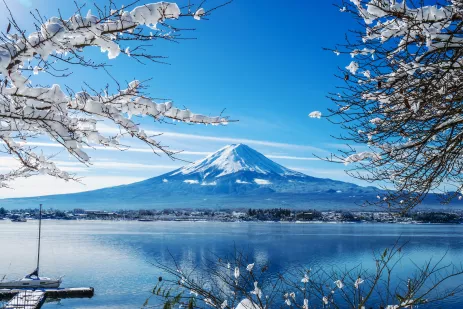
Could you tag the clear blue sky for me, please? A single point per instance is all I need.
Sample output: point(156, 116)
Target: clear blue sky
point(261, 60)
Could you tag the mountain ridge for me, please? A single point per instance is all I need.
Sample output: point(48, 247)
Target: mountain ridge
point(234, 158)
point(230, 177)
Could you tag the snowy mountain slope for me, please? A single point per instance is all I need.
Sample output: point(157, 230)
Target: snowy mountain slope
point(232, 159)
point(241, 169)
point(233, 176)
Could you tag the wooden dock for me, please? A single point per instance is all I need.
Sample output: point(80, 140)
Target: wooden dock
point(34, 299)
point(27, 299)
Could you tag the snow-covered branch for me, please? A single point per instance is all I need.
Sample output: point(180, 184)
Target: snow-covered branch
point(71, 119)
point(241, 283)
point(403, 96)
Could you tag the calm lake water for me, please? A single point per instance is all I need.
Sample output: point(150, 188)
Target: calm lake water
point(116, 258)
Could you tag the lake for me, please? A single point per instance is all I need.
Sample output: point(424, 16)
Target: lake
point(116, 258)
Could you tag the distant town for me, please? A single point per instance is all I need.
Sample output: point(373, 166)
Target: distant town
point(234, 215)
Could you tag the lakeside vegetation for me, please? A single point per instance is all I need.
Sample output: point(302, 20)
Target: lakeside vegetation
point(233, 215)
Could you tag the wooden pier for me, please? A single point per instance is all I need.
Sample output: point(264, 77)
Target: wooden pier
point(27, 299)
point(34, 299)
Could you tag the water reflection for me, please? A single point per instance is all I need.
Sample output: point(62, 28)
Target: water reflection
point(116, 257)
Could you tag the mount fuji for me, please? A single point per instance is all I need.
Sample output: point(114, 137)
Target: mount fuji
point(234, 176)
point(239, 169)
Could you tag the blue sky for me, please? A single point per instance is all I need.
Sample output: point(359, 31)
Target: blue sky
point(261, 60)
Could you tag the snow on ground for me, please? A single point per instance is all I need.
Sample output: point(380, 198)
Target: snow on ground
point(242, 181)
point(191, 182)
point(262, 181)
point(209, 183)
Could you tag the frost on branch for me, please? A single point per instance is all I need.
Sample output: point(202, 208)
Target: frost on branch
point(71, 118)
point(315, 114)
point(357, 157)
point(214, 284)
point(402, 97)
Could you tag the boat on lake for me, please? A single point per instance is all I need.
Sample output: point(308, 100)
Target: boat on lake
point(32, 280)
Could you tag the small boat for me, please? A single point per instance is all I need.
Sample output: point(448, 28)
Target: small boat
point(145, 220)
point(32, 280)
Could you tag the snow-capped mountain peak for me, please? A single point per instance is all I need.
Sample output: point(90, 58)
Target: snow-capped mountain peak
point(233, 159)
point(234, 176)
